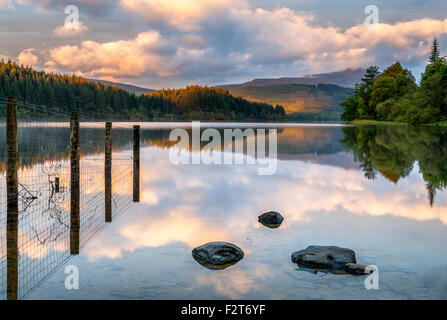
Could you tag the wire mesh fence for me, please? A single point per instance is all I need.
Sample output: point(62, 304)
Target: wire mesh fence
point(44, 190)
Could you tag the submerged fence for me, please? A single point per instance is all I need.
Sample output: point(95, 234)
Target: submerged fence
point(60, 183)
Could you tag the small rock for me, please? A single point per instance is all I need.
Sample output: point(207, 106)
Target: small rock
point(217, 255)
point(355, 268)
point(324, 257)
point(271, 219)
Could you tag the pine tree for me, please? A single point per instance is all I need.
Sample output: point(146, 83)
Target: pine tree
point(370, 76)
point(435, 54)
point(431, 192)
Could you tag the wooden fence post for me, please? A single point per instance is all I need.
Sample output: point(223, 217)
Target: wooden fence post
point(136, 163)
point(12, 224)
point(108, 172)
point(75, 221)
point(57, 185)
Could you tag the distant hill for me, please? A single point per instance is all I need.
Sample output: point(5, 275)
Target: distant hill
point(128, 87)
point(296, 98)
point(308, 95)
point(276, 82)
point(345, 78)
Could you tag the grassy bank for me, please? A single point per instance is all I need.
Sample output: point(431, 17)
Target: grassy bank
point(376, 122)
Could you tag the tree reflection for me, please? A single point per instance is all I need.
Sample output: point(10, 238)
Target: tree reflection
point(392, 151)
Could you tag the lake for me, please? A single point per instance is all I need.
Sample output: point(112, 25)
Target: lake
point(378, 190)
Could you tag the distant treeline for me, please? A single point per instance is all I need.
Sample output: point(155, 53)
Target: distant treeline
point(393, 95)
point(61, 94)
point(329, 115)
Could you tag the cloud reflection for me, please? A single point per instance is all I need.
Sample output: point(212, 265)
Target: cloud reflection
point(195, 204)
point(234, 282)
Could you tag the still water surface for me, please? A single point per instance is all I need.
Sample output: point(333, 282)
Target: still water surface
point(379, 191)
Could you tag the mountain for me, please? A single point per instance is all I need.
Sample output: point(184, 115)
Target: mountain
point(308, 95)
point(128, 87)
point(345, 78)
point(295, 98)
point(308, 80)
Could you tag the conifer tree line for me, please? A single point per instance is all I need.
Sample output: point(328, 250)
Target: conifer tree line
point(393, 95)
point(56, 93)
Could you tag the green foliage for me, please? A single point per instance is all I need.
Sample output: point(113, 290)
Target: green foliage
point(434, 54)
point(394, 95)
point(357, 106)
point(56, 94)
point(350, 104)
point(392, 151)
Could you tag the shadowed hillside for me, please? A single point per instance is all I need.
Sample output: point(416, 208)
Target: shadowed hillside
point(310, 98)
point(296, 97)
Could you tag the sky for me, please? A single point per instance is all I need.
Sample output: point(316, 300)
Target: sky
point(173, 43)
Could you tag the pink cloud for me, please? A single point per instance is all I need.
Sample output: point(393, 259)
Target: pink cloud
point(28, 58)
point(70, 30)
point(114, 59)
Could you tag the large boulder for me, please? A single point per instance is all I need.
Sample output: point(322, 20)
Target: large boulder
point(217, 255)
point(330, 258)
point(271, 219)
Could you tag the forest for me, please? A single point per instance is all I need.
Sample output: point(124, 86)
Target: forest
point(56, 94)
point(394, 95)
point(393, 152)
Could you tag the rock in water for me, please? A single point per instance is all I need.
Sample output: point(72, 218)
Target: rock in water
point(217, 255)
point(355, 268)
point(271, 219)
point(326, 258)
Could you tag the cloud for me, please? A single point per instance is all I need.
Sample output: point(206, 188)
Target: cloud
point(7, 4)
point(198, 197)
point(221, 41)
point(181, 196)
point(401, 35)
point(69, 29)
point(183, 15)
point(90, 7)
point(276, 39)
point(285, 36)
point(234, 282)
point(50, 67)
point(27, 58)
point(196, 41)
point(127, 58)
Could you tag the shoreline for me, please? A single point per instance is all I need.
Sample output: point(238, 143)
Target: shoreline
point(400, 123)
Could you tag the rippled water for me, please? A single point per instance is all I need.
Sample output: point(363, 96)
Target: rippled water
point(379, 191)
